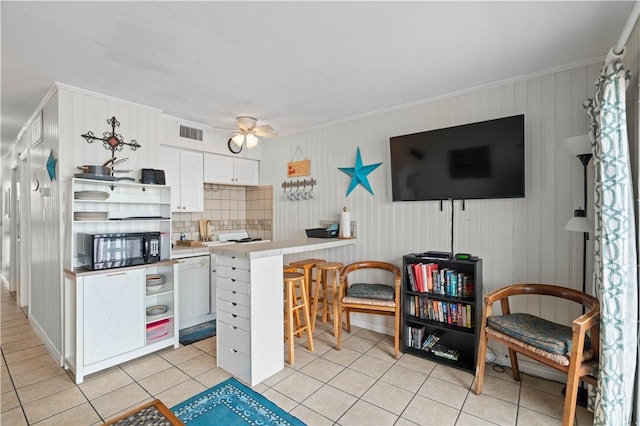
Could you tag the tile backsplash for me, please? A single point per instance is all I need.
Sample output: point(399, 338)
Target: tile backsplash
point(230, 209)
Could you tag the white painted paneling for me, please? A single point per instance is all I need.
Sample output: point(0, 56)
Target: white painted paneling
point(80, 113)
point(45, 302)
point(520, 240)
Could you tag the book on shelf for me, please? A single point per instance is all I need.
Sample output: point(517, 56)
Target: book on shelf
point(416, 335)
point(412, 279)
point(417, 273)
point(430, 341)
point(430, 268)
point(445, 352)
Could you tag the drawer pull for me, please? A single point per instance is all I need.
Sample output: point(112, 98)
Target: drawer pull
point(233, 268)
point(235, 351)
point(233, 292)
point(234, 315)
point(234, 303)
point(234, 327)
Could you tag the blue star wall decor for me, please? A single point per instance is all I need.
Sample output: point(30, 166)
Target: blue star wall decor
point(51, 166)
point(359, 174)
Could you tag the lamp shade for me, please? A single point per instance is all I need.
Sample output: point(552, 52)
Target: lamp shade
point(252, 140)
point(579, 222)
point(238, 139)
point(578, 145)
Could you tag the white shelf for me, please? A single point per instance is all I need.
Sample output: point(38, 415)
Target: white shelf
point(149, 204)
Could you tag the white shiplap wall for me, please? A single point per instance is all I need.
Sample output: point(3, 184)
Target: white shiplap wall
point(519, 240)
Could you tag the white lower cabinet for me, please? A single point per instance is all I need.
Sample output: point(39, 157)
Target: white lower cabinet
point(106, 320)
point(250, 317)
point(113, 320)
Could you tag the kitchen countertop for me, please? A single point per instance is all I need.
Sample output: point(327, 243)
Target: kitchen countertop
point(259, 249)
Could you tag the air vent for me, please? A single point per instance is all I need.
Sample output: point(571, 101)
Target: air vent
point(191, 133)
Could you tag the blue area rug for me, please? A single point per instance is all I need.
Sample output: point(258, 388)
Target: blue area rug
point(197, 332)
point(231, 403)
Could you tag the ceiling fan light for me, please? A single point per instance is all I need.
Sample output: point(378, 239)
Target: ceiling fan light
point(238, 139)
point(252, 140)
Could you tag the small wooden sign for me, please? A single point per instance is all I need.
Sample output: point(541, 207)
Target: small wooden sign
point(298, 168)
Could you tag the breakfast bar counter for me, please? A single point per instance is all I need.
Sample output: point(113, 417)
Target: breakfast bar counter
point(250, 341)
point(258, 249)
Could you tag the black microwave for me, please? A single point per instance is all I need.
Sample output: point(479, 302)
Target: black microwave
point(106, 251)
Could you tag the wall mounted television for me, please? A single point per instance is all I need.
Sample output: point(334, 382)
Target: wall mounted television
point(480, 160)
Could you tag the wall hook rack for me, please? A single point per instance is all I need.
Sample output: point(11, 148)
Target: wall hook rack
point(299, 189)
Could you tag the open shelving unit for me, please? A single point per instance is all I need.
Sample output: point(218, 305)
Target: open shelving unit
point(421, 320)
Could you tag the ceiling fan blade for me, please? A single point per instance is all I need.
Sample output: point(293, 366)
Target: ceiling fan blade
point(246, 123)
point(264, 131)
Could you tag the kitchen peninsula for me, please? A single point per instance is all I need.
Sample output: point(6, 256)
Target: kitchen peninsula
point(250, 304)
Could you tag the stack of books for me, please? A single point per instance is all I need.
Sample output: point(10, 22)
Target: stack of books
point(430, 342)
point(445, 352)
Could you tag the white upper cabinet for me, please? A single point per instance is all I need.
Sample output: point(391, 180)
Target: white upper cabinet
point(231, 170)
point(184, 174)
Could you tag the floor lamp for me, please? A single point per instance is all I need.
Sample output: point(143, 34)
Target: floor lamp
point(580, 146)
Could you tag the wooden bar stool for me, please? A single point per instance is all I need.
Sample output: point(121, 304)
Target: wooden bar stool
point(307, 266)
point(325, 294)
point(296, 300)
point(290, 268)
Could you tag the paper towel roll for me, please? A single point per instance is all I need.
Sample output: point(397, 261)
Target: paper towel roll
point(345, 224)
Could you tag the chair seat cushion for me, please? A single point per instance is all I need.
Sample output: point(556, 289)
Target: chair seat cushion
point(371, 291)
point(563, 360)
point(535, 331)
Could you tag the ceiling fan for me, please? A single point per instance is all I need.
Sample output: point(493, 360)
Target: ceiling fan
point(248, 133)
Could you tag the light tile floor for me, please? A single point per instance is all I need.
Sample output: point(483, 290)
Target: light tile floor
point(360, 385)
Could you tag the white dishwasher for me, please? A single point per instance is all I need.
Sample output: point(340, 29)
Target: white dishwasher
point(196, 296)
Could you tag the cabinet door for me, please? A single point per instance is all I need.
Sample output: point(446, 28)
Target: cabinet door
point(195, 291)
point(170, 163)
point(191, 183)
point(218, 169)
point(246, 172)
point(114, 315)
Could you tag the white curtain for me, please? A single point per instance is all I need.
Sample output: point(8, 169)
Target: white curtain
point(615, 274)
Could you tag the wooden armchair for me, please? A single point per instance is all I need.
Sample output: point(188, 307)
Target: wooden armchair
point(573, 350)
point(382, 299)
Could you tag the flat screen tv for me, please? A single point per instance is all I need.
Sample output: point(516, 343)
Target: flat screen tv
point(471, 161)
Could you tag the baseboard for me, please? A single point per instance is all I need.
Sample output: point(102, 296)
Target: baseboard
point(525, 364)
point(528, 366)
point(57, 356)
point(380, 328)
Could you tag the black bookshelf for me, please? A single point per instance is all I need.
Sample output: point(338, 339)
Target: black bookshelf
point(457, 334)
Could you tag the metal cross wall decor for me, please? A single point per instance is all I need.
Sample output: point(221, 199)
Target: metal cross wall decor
point(112, 140)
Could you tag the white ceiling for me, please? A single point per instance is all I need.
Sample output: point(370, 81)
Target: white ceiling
point(294, 65)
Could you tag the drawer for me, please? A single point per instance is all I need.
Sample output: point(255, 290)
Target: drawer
point(234, 362)
point(234, 337)
point(234, 296)
point(234, 285)
point(234, 273)
point(234, 320)
point(234, 308)
point(234, 262)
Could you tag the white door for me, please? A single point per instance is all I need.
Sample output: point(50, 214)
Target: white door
point(246, 172)
point(194, 292)
point(170, 163)
point(114, 314)
point(191, 181)
point(218, 169)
